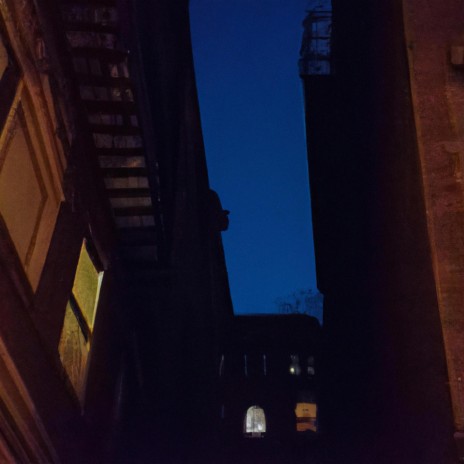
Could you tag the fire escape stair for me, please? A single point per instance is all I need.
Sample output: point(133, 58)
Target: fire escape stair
point(117, 129)
point(110, 107)
point(102, 75)
point(85, 26)
point(90, 3)
point(92, 79)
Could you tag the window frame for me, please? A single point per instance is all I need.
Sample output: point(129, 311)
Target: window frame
point(86, 328)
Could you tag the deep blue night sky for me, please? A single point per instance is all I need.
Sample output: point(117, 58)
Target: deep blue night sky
point(251, 101)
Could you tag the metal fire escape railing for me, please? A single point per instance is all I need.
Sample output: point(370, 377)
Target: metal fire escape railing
point(106, 90)
point(315, 53)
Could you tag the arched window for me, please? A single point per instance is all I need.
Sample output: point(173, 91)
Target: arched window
point(255, 422)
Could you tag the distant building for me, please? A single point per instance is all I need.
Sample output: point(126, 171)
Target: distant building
point(268, 377)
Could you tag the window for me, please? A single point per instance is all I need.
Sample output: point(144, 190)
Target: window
point(76, 334)
point(294, 367)
point(221, 366)
point(253, 365)
point(310, 366)
point(255, 422)
point(306, 417)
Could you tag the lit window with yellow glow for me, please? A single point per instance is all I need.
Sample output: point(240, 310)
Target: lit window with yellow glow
point(255, 422)
point(294, 367)
point(306, 417)
point(79, 319)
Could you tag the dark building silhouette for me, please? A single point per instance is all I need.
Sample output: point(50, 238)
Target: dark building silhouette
point(113, 286)
point(384, 150)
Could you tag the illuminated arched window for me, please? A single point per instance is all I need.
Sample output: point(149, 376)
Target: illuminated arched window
point(255, 422)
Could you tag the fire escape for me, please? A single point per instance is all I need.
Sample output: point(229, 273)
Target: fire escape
point(315, 53)
point(101, 65)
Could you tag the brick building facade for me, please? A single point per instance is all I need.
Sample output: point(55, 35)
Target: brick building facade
point(111, 262)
